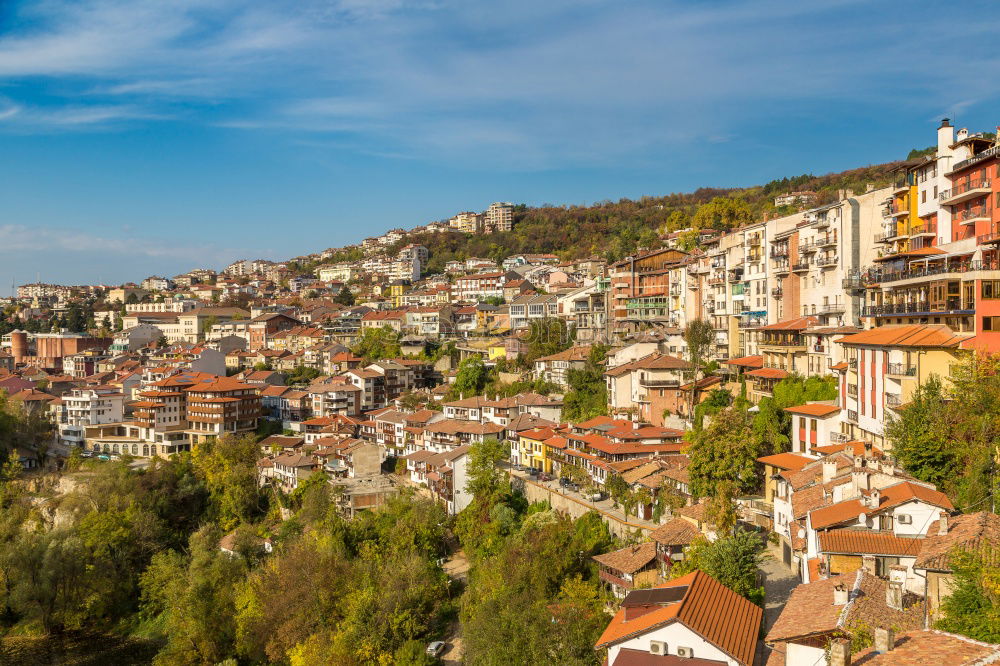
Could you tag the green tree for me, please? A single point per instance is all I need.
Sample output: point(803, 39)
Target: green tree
point(698, 336)
point(471, 379)
point(732, 560)
point(724, 451)
point(723, 213)
point(376, 344)
point(973, 608)
point(228, 466)
point(588, 392)
point(344, 296)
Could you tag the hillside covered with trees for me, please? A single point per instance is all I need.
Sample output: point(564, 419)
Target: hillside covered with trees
point(615, 229)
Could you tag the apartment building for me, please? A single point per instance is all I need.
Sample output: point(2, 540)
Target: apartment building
point(480, 286)
point(586, 308)
point(467, 222)
point(885, 365)
point(85, 407)
point(498, 217)
point(640, 286)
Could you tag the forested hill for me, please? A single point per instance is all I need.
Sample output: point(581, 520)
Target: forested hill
point(615, 229)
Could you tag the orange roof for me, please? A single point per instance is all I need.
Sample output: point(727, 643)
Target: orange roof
point(708, 608)
point(889, 497)
point(797, 324)
point(814, 409)
point(910, 335)
point(840, 366)
point(928, 647)
point(768, 373)
point(747, 361)
point(848, 541)
point(856, 448)
point(791, 461)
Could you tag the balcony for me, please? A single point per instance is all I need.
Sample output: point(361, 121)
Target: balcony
point(975, 159)
point(970, 189)
point(827, 241)
point(716, 280)
point(822, 222)
point(901, 183)
point(992, 237)
point(852, 416)
point(801, 266)
point(827, 260)
point(950, 305)
point(808, 246)
point(895, 210)
point(779, 251)
point(973, 214)
point(776, 292)
point(831, 308)
point(901, 370)
point(852, 363)
point(880, 275)
point(852, 390)
point(781, 268)
point(839, 438)
point(659, 383)
point(893, 400)
point(852, 282)
point(736, 275)
point(884, 238)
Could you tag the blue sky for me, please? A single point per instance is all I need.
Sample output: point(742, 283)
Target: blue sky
point(143, 136)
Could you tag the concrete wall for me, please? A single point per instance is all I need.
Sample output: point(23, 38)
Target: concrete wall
point(575, 508)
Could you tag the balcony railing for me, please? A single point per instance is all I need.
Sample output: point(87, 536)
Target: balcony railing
point(776, 292)
point(852, 416)
point(852, 363)
point(839, 437)
point(826, 241)
point(893, 400)
point(659, 383)
point(801, 266)
point(986, 154)
point(879, 275)
point(992, 237)
point(954, 304)
point(830, 308)
point(808, 246)
point(852, 390)
point(970, 215)
point(781, 267)
point(967, 190)
point(902, 370)
point(922, 229)
point(779, 251)
point(827, 260)
point(894, 210)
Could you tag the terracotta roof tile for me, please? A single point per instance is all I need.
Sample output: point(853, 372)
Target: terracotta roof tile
point(920, 648)
point(819, 409)
point(971, 532)
point(786, 461)
point(676, 532)
point(914, 335)
point(629, 559)
point(850, 541)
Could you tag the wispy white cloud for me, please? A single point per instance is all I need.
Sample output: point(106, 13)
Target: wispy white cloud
point(537, 84)
point(18, 239)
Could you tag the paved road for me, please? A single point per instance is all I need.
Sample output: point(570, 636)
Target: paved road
point(604, 506)
point(457, 568)
point(778, 584)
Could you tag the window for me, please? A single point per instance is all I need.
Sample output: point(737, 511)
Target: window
point(991, 323)
point(991, 289)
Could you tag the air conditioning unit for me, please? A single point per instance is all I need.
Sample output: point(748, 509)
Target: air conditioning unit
point(658, 647)
point(905, 519)
point(686, 652)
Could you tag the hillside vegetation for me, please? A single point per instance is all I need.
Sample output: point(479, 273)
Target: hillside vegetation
point(612, 230)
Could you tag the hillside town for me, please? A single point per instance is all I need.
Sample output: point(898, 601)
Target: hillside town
point(604, 382)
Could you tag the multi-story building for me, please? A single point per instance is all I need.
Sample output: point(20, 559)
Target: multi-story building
point(940, 263)
point(885, 365)
point(480, 286)
point(532, 307)
point(85, 407)
point(467, 222)
point(221, 406)
point(640, 287)
point(498, 217)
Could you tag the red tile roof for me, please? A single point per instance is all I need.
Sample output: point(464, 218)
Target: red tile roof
point(786, 461)
point(858, 542)
point(629, 559)
point(797, 324)
point(925, 647)
point(971, 532)
point(912, 335)
point(768, 373)
point(708, 608)
point(747, 361)
point(814, 409)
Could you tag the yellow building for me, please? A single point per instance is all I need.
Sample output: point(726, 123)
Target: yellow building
point(532, 451)
point(885, 365)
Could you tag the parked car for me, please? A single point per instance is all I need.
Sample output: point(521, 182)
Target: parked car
point(519, 467)
point(544, 477)
point(598, 496)
point(436, 648)
point(532, 471)
point(564, 481)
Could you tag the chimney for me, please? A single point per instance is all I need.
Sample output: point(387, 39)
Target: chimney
point(840, 652)
point(868, 564)
point(943, 523)
point(840, 595)
point(894, 595)
point(945, 137)
point(962, 134)
point(829, 470)
point(859, 462)
point(874, 498)
point(885, 640)
point(868, 449)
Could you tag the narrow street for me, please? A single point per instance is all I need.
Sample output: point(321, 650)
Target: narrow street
point(457, 568)
point(779, 582)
